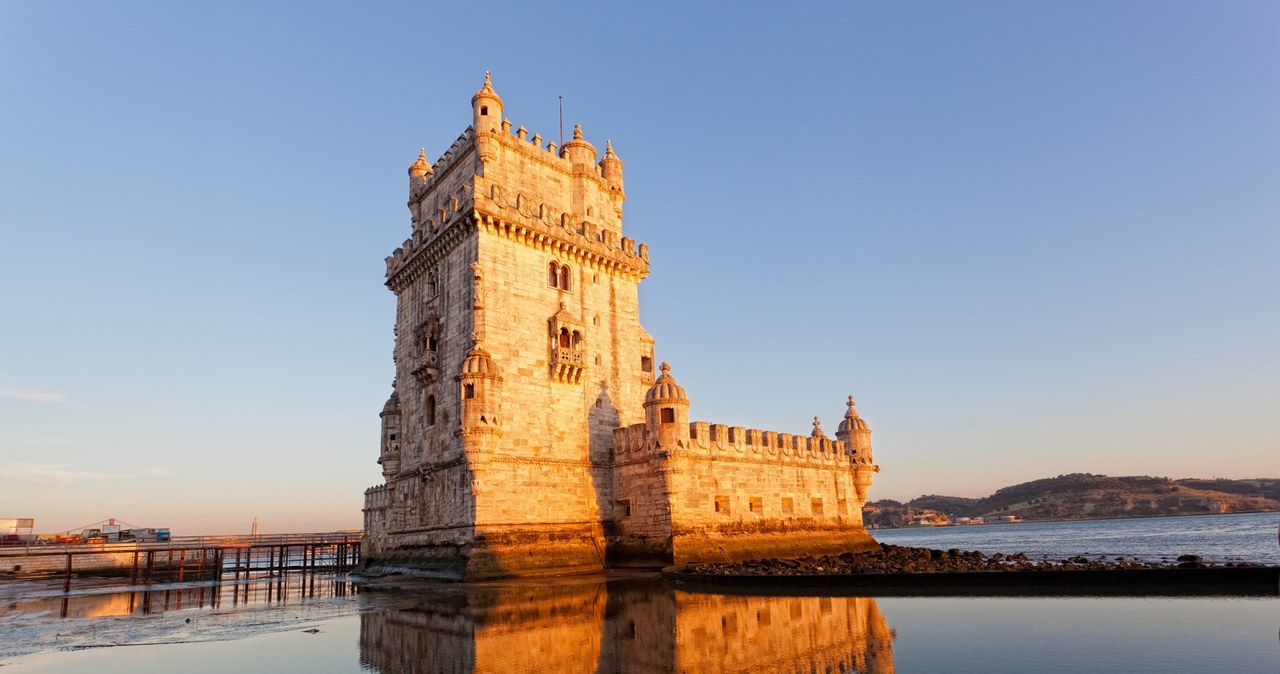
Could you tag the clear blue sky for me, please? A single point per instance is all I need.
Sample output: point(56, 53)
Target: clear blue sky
point(1031, 238)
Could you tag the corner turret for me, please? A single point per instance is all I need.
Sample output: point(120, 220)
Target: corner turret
point(856, 435)
point(390, 456)
point(418, 171)
point(486, 108)
point(611, 168)
point(480, 392)
point(666, 411)
point(486, 113)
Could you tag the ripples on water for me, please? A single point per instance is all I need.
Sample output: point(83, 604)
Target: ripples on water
point(1247, 537)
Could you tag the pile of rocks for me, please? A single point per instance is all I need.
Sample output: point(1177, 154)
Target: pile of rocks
point(898, 559)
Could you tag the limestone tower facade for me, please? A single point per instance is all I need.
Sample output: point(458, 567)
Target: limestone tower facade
point(525, 432)
point(518, 350)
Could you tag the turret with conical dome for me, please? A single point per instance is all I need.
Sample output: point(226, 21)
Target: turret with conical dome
point(480, 391)
point(418, 171)
point(486, 108)
point(390, 456)
point(666, 411)
point(856, 435)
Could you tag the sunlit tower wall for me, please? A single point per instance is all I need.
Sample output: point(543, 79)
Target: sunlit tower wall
point(518, 351)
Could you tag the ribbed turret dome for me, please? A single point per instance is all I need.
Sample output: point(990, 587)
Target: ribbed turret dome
point(609, 156)
point(486, 91)
point(421, 166)
point(853, 422)
point(666, 388)
point(392, 406)
point(478, 362)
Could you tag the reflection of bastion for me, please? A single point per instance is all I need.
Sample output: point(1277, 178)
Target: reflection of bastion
point(526, 432)
point(624, 626)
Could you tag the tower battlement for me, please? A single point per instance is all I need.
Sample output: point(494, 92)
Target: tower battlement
point(728, 442)
point(511, 184)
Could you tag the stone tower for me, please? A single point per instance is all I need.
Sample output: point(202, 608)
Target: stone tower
point(518, 351)
point(525, 432)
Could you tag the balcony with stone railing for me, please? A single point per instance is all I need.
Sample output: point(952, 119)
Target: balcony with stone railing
point(567, 364)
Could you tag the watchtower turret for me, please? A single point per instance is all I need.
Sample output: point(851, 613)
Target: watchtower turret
point(479, 389)
point(856, 435)
point(611, 168)
point(486, 107)
point(390, 456)
point(666, 411)
point(486, 114)
point(419, 169)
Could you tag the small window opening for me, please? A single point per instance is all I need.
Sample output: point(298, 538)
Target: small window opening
point(722, 505)
point(553, 274)
point(756, 505)
point(431, 410)
point(484, 111)
point(392, 437)
point(625, 506)
point(469, 391)
point(788, 505)
point(815, 505)
point(433, 343)
point(668, 415)
point(646, 364)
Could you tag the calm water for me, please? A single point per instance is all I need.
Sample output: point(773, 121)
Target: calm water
point(630, 623)
point(1224, 538)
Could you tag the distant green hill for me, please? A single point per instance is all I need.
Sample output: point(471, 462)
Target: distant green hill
point(1088, 496)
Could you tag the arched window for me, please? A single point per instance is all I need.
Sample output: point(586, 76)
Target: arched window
point(577, 337)
point(553, 275)
point(469, 391)
point(564, 277)
point(565, 340)
point(431, 410)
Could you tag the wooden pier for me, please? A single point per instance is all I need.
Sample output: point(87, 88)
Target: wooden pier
point(188, 558)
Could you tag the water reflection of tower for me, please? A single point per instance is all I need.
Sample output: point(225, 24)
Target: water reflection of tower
point(624, 626)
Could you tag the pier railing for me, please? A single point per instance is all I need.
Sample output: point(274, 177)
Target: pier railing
point(189, 557)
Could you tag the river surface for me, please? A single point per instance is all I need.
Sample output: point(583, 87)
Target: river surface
point(1250, 537)
point(633, 622)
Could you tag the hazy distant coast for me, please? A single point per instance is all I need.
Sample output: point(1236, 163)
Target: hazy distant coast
point(1085, 496)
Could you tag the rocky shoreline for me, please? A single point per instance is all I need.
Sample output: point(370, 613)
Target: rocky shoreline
point(895, 559)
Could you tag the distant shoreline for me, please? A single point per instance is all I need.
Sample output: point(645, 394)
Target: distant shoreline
point(1075, 519)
